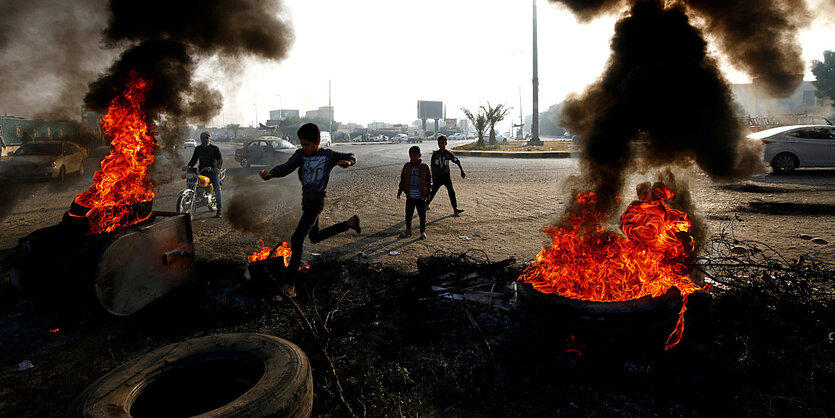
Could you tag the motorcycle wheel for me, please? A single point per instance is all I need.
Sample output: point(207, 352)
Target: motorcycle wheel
point(185, 201)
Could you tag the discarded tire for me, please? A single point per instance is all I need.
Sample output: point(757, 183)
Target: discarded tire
point(225, 375)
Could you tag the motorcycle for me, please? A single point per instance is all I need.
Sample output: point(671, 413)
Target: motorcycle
point(199, 190)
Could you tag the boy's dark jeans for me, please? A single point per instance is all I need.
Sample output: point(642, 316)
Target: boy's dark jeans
point(309, 225)
point(411, 204)
point(444, 181)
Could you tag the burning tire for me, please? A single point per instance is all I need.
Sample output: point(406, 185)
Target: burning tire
point(639, 326)
point(224, 375)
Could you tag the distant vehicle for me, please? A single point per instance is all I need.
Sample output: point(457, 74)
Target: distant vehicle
point(457, 137)
point(45, 159)
point(399, 138)
point(325, 138)
point(499, 137)
point(189, 143)
point(790, 147)
point(415, 139)
point(264, 151)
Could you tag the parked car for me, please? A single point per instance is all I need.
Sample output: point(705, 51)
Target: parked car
point(45, 159)
point(325, 138)
point(456, 137)
point(790, 147)
point(400, 138)
point(499, 137)
point(189, 143)
point(264, 151)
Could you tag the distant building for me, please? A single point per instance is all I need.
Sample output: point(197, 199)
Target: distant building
point(756, 103)
point(282, 114)
point(464, 125)
point(450, 123)
point(324, 112)
point(350, 127)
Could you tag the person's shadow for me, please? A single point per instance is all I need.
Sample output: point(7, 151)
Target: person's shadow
point(384, 241)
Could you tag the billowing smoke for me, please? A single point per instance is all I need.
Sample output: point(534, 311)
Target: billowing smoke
point(166, 38)
point(50, 51)
point(663, 94)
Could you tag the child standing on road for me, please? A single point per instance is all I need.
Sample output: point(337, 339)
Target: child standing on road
point(315, 165)
point(415, 181)
point(441, 176)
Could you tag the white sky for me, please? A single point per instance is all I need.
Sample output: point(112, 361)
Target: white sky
point(383, 55)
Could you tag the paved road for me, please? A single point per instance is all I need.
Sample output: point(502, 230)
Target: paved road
point(506, 202)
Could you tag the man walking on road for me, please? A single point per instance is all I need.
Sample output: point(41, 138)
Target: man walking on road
point(440, 173)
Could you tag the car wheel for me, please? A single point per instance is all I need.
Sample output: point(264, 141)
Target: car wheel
point(225, 375)
point(62, 173)
point(784, 163)
point(244, 162)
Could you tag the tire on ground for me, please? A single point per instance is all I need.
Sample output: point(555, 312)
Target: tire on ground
point(285, 386)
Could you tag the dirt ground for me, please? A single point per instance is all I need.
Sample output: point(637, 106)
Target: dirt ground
point(400, 350)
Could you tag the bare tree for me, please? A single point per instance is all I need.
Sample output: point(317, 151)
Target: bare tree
point(494, 115)
point(480, 123)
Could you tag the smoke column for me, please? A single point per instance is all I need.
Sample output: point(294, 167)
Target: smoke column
point(661, 86)
point(163, 39)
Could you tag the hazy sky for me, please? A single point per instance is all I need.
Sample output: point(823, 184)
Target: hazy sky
point(382, 56)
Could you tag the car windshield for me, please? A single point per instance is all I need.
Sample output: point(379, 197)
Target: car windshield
point(39, 149)
point(282, 144)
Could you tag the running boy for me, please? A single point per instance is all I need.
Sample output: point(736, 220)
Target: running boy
point(440, 173)
point(315, 165)
point(416, 183)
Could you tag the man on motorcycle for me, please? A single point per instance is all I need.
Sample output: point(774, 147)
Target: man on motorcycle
point(209, 157)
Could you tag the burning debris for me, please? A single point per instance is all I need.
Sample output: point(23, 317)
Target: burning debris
point(588, 262)
point(122, 182)
point(657, 58)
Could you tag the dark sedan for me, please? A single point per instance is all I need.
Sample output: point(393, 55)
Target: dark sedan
point(264, 151)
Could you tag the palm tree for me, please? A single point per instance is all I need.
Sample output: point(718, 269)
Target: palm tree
point(480, 123)
point(494, 115)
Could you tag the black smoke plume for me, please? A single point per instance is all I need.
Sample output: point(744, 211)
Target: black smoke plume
point(661, 90)
point(165, 39)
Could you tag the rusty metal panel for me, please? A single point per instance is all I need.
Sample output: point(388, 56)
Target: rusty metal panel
point(146, 262)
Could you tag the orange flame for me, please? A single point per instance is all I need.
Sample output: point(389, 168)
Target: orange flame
point(54, 330)
point(122, 180)
point(588, 262)
point(282, 250)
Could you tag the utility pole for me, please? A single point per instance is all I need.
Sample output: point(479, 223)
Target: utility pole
point(330, 109)
point(535, 117)
point(256, 115)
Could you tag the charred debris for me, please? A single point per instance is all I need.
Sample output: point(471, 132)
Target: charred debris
point(447, 340)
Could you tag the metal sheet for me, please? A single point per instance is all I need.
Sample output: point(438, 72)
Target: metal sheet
point(146, 262)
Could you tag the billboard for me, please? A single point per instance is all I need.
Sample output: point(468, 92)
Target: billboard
point(430, 110)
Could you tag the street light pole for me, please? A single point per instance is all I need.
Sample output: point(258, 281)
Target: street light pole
point(256, 115)
point(535, 117)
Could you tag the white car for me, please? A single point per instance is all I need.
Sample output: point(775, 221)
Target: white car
point(325, 138)
point(189, 143)
point(400, 138)
point(458, 136)
point(790, 147)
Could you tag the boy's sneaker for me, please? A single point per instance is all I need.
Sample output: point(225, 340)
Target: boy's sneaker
point(457, 211)
point(405, 234)
point(356, 221)
point(427, 207)
point(422, 235)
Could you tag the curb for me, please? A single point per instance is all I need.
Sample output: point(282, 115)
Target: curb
point(506, 154)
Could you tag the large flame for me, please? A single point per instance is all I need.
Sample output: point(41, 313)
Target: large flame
point(122, 180)
point(589, 262)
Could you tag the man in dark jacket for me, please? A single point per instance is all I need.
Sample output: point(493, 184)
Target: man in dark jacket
point(209, 156)
point(314, 167)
